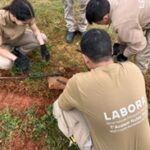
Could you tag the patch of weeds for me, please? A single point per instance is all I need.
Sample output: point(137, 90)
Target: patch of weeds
point(39, 66)
point(46, 128)
point(73, 63)
point(15, 71)
point(42, 128)
point(8, 124)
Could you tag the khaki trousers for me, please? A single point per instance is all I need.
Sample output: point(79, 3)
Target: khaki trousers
point(142, 58)
point(27, 42)
point(71, 23)
point(72, 123)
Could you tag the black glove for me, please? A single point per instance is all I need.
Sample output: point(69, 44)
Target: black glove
point(118, 48)
point(22, 62)
point(45, 53)
point(121, 58)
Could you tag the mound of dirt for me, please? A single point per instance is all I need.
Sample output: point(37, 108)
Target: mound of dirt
point(23, 143)
point(22, 102)
point(16, 97)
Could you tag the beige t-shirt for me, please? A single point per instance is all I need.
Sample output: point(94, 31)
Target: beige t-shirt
point(113, 101)
point(9, 31)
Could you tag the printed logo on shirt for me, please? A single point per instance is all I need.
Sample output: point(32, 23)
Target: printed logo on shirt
point(126, 117)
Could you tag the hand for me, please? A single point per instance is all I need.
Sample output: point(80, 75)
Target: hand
point(121, 58)
point(22, 62)
point(118, 48)
point(44, 52)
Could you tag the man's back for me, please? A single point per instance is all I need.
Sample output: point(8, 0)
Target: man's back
point(122, 12)
point(113, 101)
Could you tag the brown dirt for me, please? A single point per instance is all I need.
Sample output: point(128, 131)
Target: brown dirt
point(18, 97)
point(22, 102)
point(15, 96)
point(23, 143)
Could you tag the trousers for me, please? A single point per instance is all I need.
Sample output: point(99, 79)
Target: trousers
point(72, 123)
point(27, 42)
point(71, 23)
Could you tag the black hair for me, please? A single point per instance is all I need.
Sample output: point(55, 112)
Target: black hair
point(96, 10)
point(96, 45)
point(21, 9)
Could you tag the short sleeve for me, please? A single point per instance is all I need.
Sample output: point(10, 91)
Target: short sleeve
point(70, 98)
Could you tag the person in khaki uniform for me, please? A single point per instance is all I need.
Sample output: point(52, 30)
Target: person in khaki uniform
point(19, 32)
point(71, 24)
point(111, 99)
point(131, 21)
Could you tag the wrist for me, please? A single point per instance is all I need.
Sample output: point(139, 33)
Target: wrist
point(124, 55)
point(14, 58)
point(43, 46)
point(40, 39)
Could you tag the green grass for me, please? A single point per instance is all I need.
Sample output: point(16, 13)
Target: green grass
point(50, 20)
point(8, 123)
point(34, 128)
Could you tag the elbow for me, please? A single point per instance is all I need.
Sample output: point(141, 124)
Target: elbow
point(138, 47)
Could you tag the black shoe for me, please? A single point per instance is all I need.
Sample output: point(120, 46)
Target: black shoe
point(70, 37)
point(22, 62)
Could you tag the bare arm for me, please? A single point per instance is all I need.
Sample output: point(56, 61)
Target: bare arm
point(70, 99)
point(44, 51)
point(37, 32)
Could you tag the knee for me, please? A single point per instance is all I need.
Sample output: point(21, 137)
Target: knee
point(5, 64)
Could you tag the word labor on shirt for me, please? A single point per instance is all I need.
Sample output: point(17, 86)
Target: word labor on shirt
point(126, 117)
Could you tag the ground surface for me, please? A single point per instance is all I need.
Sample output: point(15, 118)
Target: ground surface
point(26, 121)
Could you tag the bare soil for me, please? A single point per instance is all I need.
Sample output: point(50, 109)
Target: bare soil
point(15, 96)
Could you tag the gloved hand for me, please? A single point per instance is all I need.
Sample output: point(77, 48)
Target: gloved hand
point(45, 53)
point(22, 61)
point(121, 58)
point(118, 48)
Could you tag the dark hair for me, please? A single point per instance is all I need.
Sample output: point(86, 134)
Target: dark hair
point(96, 45)
point(96, 10)
point(21, 9)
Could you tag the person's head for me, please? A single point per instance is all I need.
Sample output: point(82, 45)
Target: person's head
point(22, 11)
point(96, 47)
point(97, 11)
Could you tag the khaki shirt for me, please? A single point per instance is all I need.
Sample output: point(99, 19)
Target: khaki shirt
point(129, 19)
point(9, 31)
point(113, 100)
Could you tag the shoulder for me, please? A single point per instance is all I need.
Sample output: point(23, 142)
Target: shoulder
point(3, 15)
point(78, 78)
point(129, 64)
point(126, 25)
point(131, 67)
point(2, 11)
